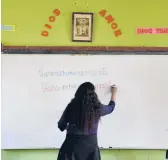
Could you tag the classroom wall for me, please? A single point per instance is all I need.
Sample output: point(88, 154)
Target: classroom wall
point(29, 19)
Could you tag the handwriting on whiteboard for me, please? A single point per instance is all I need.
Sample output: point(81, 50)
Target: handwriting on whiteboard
point(63, 72)
point(65, 87)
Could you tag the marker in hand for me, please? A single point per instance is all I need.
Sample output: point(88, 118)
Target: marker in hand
point(113, 91)
point(113, 86)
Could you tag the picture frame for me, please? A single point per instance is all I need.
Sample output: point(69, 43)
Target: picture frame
point(82, 26)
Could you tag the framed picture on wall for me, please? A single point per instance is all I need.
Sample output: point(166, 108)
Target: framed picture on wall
point(82, 27)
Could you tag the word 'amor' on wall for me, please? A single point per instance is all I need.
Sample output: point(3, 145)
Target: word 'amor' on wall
point(110, 20)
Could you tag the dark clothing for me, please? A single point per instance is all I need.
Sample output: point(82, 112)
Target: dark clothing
point(78, 147)
point(78, 144)
point(72, 129)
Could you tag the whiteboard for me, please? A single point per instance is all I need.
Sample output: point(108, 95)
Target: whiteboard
point(37, 88)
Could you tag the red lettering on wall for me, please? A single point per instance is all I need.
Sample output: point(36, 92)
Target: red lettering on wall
point(117, 33)
point(114, 25)
point(48, 26)
point(166, 30)
point(102, 13)
point(109, 18)
point(158, 30)
point(162, 30)
point(150, 30)
point(51, 18)
point(145, 31)
point(138, 31)
point(56, 12)
point(44, 33)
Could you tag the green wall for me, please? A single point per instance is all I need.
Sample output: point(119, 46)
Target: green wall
point(29, 18)
point(106, 155)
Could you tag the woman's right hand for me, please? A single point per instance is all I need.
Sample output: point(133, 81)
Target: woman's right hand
point(113, 91)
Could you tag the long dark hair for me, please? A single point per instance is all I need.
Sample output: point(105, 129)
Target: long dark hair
point(85, 107)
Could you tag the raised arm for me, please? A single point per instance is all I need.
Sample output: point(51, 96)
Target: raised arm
point(107, 109)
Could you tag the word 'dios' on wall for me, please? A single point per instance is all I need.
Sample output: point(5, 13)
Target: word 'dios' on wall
point(110, 20)
point(51, 19)
point(152, 30)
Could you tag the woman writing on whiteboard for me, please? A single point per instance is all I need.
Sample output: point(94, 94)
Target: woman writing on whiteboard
point(80, 119)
